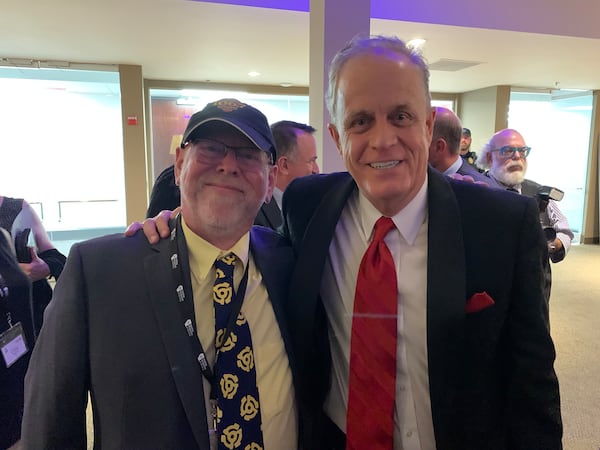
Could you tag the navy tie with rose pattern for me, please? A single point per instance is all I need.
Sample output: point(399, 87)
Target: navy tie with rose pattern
point(238, 411)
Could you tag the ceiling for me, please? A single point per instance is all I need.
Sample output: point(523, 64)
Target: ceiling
point(549, 45)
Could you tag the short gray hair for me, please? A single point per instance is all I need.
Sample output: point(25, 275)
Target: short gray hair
point(361, 45)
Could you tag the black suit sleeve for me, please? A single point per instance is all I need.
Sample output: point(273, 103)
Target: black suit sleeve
point(57, 379)
point(532, 405)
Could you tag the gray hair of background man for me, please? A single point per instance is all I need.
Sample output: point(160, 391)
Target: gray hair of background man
point(448, 127)
point(364, 44)
point(482, 160)
point(285, 133)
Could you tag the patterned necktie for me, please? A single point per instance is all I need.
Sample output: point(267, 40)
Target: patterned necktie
point(238, 412)
point(372, 378)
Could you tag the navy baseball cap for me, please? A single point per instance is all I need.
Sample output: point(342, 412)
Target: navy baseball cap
point(246, 119)
point(466, 132)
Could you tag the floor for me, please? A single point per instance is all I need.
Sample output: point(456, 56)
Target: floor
point(575, 324)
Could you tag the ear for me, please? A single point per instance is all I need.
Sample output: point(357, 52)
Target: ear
point(282, 165)
point(429, 120)
point(271, 179)
point(335, 135)
point(179, 157)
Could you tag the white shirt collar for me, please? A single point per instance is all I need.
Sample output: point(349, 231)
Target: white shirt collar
point(407, 221)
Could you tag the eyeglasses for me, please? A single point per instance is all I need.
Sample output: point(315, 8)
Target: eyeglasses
point(508, 151)
point(209, 151)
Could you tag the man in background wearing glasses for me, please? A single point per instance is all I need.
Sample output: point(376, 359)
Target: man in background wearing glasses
point(505, 158)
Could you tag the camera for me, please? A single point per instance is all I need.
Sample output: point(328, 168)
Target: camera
point(544, 195)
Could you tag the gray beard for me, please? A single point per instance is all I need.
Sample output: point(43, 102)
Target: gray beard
point(508, 178)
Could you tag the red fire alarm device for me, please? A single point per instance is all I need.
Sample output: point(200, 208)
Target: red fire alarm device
point(132, 120)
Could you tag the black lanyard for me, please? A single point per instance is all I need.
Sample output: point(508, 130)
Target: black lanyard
point(4, 292)
point(185, 299)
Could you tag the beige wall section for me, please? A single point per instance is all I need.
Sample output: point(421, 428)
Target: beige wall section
point(591, 217)
point(134, 141)
point(484, 112)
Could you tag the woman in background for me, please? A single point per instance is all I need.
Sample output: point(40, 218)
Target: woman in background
point(38, 262)
point(16, 340)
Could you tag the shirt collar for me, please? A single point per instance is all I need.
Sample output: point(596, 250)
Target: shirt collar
point(277, 196)
point(203, 254)
point(454, 166)
point(408, 221)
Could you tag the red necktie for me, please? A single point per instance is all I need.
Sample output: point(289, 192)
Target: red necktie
point(372, 386)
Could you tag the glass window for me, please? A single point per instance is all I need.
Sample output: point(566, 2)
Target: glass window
point(62, 149)
point(556, 126)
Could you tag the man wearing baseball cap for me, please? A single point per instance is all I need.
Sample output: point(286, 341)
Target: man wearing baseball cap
point(181, 345)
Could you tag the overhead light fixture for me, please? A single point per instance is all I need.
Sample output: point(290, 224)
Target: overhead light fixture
point(253, 73)
point(416, 44)
point(285, 84)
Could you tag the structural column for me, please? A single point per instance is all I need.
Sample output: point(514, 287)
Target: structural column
point(134, 141)
point(332, 24)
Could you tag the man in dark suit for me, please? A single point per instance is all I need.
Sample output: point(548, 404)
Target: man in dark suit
point(444, 150)
point(132, 324)
point(474, 359)
point(296, 157)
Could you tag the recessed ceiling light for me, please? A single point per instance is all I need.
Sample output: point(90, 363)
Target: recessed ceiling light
point(416, 43)
point(253, 74)
point(285, 84)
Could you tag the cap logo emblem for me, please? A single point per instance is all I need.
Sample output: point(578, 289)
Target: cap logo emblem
point(229, 104)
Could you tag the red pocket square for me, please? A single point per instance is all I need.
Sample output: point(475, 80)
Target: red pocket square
point(478, 301)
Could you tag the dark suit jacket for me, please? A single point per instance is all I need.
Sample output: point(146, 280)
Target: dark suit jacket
point(468, 169)
point(165, 193)
point(269, 215)
point(114, 328)
point(491, 375)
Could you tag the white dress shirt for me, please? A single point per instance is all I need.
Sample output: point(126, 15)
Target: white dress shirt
point(408, 246)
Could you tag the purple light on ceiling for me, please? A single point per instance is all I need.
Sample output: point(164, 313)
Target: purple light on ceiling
point(288, 5)
point(381, 9)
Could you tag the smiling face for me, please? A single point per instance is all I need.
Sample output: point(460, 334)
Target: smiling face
point(220, 200)
point(384, 127)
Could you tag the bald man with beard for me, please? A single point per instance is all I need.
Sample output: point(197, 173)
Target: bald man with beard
point(505, 158)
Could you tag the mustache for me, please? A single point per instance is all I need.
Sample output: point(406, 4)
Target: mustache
point(515, 164)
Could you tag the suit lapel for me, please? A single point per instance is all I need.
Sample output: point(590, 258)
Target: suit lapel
point(184, 367)
point(272, 214)
point(446, 293)
point(313, 250)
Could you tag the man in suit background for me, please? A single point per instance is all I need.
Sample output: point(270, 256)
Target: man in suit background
point(474, 360)
point(472, 355)
point(444, 150)
point(133, 325)
point(296, 157)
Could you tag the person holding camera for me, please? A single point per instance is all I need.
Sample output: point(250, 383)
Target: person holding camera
point(505, 159)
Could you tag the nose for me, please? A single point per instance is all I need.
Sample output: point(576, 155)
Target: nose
point(383, 135)
point(229, 162)
point(315, 168)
